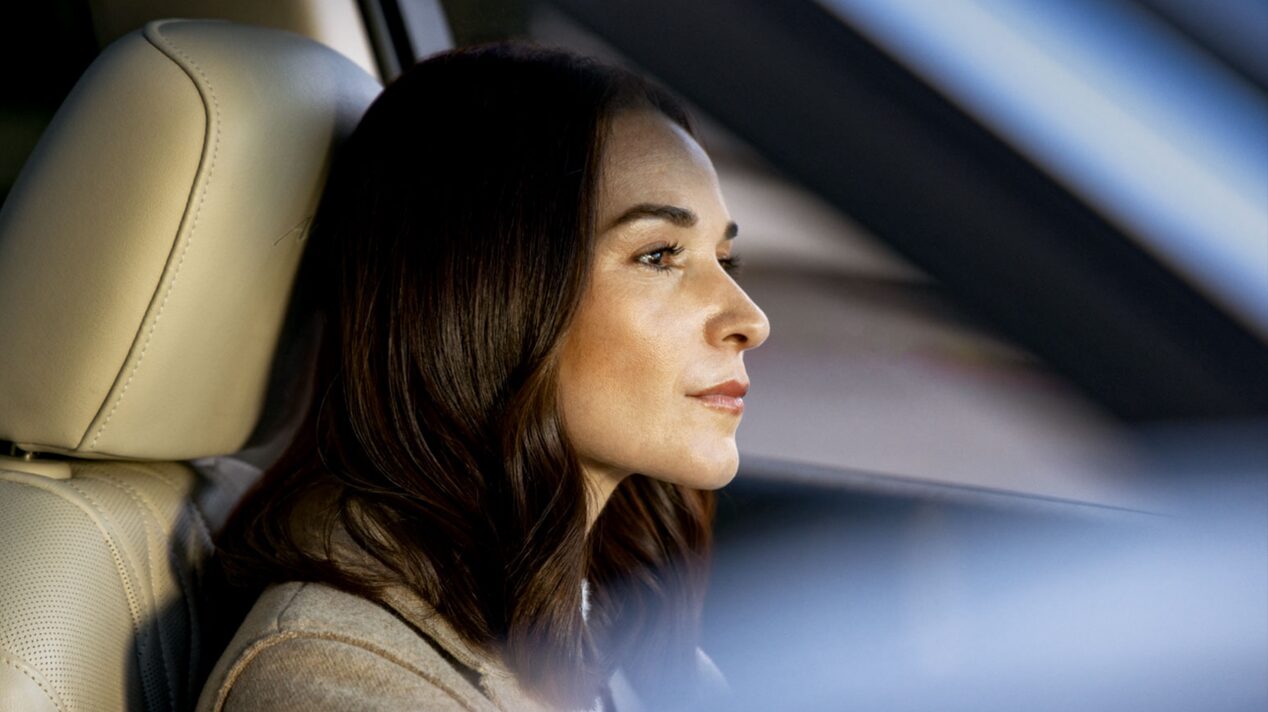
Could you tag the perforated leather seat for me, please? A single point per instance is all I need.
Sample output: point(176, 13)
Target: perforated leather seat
point(147, 253)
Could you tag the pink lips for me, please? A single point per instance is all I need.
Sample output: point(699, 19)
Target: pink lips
point(727, 396)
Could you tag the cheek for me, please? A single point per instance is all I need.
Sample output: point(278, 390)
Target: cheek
point(618, 369)
point(624, 374)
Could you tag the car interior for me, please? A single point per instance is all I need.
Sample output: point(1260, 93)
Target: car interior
point(149, 250)
point(985, 393)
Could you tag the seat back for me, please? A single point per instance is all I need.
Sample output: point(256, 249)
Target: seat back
point(147, 253)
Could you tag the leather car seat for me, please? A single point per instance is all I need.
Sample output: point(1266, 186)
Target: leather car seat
point(147, 254)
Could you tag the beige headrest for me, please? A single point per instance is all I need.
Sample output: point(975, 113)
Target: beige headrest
point(148, 248)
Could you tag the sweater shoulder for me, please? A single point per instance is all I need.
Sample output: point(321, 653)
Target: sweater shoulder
point(313, 647)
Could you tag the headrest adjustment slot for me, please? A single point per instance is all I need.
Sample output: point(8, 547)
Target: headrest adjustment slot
point(19, 460)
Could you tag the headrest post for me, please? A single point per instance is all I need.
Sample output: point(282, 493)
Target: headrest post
point(19, 460)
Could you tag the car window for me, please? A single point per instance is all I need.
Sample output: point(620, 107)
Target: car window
point(1142, 123)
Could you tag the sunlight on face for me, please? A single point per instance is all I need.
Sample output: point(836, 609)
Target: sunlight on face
point(652, 372)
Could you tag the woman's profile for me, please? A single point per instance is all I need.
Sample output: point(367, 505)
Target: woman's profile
point(529, 384)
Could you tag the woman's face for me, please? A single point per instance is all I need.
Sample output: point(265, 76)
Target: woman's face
point(652, 369)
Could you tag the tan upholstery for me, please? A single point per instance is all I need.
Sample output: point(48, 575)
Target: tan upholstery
point(146, 258)
point(99, 612)
point(149, 244)
point(336, 23)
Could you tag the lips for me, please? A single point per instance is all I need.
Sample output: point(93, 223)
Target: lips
point(727, 396)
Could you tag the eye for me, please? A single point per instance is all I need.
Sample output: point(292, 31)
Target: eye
point(660, 258)
point(730, 263)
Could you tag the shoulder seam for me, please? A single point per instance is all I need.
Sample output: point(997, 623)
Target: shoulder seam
point(282, 609)
point(251, 653)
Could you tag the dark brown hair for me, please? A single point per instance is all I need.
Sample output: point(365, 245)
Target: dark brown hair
point(449, 254)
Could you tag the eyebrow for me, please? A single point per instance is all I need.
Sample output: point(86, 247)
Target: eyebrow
point(673, 214)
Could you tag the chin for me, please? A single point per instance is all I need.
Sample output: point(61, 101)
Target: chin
point(719, 480)
point(703, 473)
point(718, 468)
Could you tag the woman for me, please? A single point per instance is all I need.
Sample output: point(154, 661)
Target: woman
point(530, 382)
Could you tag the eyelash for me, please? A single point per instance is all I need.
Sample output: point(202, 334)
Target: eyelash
point(731, 264)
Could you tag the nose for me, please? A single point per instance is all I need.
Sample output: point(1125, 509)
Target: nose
point(741, 323)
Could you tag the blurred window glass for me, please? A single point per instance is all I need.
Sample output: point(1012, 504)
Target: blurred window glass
point(1159, 135)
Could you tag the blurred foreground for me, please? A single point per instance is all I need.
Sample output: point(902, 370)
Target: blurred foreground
point(878, 593)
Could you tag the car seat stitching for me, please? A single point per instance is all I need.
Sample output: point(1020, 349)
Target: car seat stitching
point(204, 526)
point(151, 472)
point(124, 579)
point(258, 647)
point(199, 517)
point(189, 237)
point(188, 586)
point(22, 667)
point(170, 664)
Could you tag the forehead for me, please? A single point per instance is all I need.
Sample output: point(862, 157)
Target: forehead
point(648, 158)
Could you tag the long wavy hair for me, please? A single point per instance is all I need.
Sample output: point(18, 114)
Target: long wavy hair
point(448, 256)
